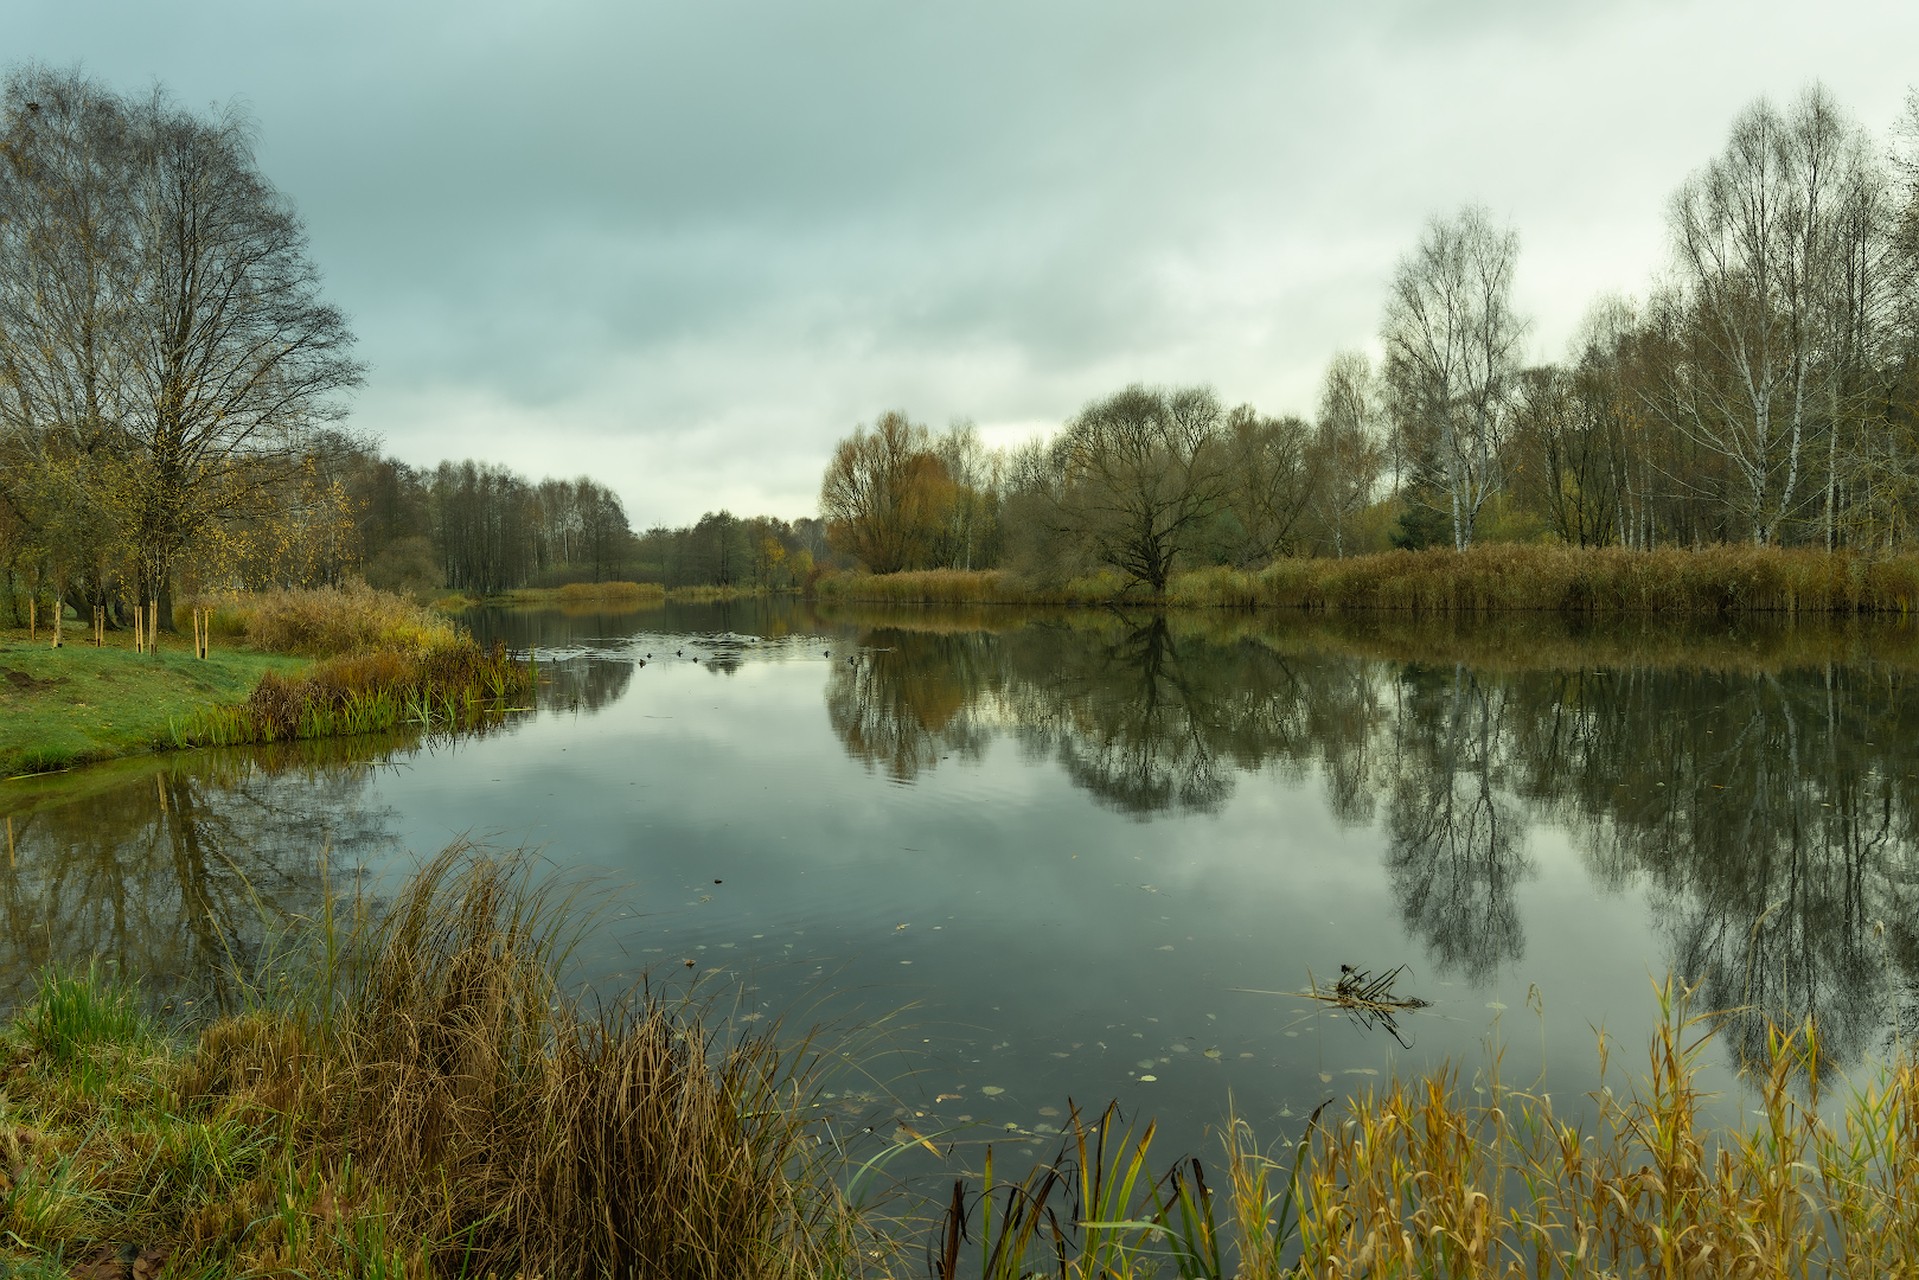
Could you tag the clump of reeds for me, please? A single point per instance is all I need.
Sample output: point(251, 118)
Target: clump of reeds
point(1428, 1179)
point(319, 621)
point(624, 593)
point(453, 685)
point(415, 1092)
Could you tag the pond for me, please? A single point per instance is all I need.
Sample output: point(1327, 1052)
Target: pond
point(1015, 857)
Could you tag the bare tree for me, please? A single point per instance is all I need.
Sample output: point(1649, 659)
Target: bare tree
point(163, 344)
point(1142, 471)
point(1345, 457)
point(237, 354)
point(1765, 238)
point(1452, 347)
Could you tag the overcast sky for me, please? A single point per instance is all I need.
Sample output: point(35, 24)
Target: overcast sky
point(685, 247)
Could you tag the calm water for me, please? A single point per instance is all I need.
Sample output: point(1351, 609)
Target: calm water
point(1029, 856)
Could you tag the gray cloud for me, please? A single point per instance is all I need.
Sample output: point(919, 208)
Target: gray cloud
point(686, 247)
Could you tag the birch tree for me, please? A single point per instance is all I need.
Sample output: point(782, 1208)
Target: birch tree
point(1452, 344)
point(1769, 242)
point(1344, 454)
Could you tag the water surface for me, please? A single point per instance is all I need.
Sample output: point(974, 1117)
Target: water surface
point(1039, 856)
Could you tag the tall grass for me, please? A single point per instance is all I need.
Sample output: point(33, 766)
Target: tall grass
point(970, 586)
point(1430, 1178)
point(1421, 1181)
point(1491, 577)
point(321, 621)
point(416, 1091)
point(452, 686)
point(629, 595)
point(423, 1096)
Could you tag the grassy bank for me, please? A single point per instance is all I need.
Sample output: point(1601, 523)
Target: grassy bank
point(68, 706)
point(416, 1093)
point(1485, 579)
point(282, 664)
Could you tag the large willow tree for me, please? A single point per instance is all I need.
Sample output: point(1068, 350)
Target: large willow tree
point(164, 346)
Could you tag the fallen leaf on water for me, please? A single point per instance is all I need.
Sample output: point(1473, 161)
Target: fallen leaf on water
point(1148, 1078)
point(1325, 1077)
point(915, 1135)
point(948, 1097)
point(1214, 1054)
point(991, 1090)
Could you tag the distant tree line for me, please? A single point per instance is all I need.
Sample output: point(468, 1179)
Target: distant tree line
point(1767, 390)
point(482, 527)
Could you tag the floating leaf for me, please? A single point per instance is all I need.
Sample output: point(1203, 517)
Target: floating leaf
point(1214, 1054)
point(1148, 1077)
point(991, 1090)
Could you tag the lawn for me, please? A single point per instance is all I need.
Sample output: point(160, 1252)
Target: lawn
point(67, 706)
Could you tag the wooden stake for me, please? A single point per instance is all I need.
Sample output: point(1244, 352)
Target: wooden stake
point(153, 625)
point(33, 616)
point(139, 629)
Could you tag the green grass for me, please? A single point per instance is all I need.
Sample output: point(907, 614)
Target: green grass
point(68, 706)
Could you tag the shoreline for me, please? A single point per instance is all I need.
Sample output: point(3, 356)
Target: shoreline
point(1497, 578)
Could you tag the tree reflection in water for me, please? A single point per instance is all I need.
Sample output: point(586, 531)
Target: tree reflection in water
point(175, 869)
point(1766, 803)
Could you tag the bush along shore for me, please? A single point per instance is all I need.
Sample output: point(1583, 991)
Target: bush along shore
point(278, 665)
point(414, 1092)
point(1718, 580)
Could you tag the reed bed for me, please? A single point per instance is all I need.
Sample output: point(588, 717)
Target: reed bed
point(454, 685)
point(1431, 1178)
point(321, 621)
point(1490, 578)
point(415, 1094)
point(626, 595)
point(1610, 580)
point(971, 586)
point(711, 594)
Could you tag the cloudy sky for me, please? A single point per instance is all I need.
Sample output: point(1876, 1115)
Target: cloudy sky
point(685, 247)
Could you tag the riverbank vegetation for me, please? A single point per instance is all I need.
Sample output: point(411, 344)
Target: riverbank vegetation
point(77, 704)
point(281, 664)
point(417, 1091)
point(1712, 581)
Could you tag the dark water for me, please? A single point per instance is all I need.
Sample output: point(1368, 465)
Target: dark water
point(1031, 857)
